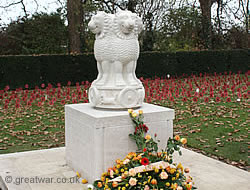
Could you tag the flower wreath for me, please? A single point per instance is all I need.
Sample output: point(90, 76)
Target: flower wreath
point(147, 168)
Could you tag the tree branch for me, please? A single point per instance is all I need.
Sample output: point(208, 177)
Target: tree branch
point(11, 4)
point(24, 9)
point(218, 15)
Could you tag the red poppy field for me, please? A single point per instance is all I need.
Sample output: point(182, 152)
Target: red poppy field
point(211, 112)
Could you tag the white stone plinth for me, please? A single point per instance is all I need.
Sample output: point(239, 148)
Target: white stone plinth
point(95, 138)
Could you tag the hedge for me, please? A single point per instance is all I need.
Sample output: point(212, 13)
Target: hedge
point(16, 71)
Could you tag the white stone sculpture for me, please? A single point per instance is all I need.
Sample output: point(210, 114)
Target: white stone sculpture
point(116, 50)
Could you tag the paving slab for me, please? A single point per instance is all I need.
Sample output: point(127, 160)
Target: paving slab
point(47, 170)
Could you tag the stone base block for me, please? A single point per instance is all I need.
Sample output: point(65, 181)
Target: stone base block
point(95, 138)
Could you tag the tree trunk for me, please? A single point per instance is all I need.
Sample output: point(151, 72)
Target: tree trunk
point(206, 22)
point(74, 25)
point(247, 16)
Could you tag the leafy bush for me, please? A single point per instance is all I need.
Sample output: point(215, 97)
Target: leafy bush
point(16, 71)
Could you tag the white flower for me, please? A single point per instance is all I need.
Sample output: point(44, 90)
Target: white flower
point(168, 75)
point(197, 90)
point(238, 100)
point(132, 172)
point(111, 173)
point(164, 175)
point(126, 161)
point(90, 186)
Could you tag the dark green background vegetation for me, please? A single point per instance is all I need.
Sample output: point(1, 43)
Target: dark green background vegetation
point(16, 71)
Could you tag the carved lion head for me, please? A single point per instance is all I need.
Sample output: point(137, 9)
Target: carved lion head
point(100, 24)
point(127, 25)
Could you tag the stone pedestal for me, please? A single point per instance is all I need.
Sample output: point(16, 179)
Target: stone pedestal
point(95, 138)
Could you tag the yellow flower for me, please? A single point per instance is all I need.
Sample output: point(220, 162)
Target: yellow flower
point(184, 141)
point(174, 186)
point(104, 174)
point(134, 114)
point(140, 112)
point(167, 184)
point(84, 181)
point(148, 180)
point(156, 170)
point(147, 137)
point(123, 188)
point(172, 170)
point(130, 111)
point(78, 175)
point(122, 170)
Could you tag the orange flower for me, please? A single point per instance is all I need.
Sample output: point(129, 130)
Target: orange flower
point(168, 169)
point(99, 184)
point(189, 186)
point(184, 141)
point(147, 137)
point(118, 161)
point(159, 154)
point(177, 137)
point(114, 184)
point(132, 154)
point(153, 181)
point(84, 181)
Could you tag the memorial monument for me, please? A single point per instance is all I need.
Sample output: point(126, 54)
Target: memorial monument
point(116, 50)
point(95, 137)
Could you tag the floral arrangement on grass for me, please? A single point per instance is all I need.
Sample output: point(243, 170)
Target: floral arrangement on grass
point(147, 168)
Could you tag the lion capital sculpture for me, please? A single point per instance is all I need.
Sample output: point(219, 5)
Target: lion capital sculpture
point(116, 50)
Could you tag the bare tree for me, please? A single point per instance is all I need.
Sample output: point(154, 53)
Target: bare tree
point(20, 2)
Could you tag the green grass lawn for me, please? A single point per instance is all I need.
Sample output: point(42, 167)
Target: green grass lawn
point(217, 129)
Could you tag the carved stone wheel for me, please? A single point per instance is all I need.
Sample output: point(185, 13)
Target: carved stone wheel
point(128, 97)
point(94, 95)
point(141, 93)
